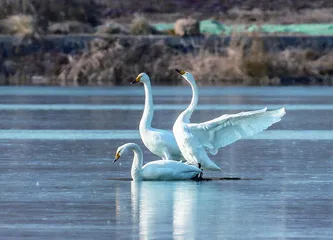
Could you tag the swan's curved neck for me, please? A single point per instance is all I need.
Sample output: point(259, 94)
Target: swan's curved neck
point(137, 162)
point(148, 111)
point(189, 110)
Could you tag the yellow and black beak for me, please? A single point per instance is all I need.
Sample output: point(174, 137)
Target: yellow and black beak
point(181, 72)
point(137, 80)
point(116, 157)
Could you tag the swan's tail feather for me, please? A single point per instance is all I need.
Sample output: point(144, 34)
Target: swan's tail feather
point(210, 166)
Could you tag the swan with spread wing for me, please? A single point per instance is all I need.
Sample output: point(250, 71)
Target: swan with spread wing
point(160, 142)
point(196, 139)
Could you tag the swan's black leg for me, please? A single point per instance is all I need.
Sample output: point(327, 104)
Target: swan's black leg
point(199, 176)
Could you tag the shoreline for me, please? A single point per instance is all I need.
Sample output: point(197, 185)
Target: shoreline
point(174, 50)
point(75, 42)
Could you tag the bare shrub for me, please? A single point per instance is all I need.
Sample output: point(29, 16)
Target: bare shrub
point(17, 25)
point(239, 64)
point(24, 70)
point(45, 11)
point(141, 26)
point(246, 62)
point(115, 63)
point(187, 27)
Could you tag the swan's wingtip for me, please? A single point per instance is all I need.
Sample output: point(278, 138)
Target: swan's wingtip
point(282, 111)
point(278, 112)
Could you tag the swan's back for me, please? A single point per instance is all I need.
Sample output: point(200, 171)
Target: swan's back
point(168, 170)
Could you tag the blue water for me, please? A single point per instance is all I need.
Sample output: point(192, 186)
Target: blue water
point(57, 180)
point(134, 134)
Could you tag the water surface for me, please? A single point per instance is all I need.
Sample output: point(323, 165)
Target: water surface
point(55, 168)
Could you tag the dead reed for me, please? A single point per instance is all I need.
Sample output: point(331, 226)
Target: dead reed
point(245, 61)
point(238, 64)
point(113, 63)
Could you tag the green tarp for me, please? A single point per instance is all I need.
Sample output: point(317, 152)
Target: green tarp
point(215, 27)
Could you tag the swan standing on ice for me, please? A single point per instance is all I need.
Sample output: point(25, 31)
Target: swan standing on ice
point(156, 170)
point(160, 142)
point(194, 139)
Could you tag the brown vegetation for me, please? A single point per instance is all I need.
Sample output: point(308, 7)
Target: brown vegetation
point(17, 25)
point(114, 62)
point(107, 62)
point(68, 27)
point(95, 12)
point(255, 66)
point(187, 27)
point(237, 65)
point(141, 26)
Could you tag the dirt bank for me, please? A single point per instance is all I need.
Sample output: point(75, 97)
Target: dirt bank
point(115, 60)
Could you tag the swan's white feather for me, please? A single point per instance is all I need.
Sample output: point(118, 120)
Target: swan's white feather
point(159, 170)
point(196, 139)
point(160, 142)
point(168, 170)
point(229, 128)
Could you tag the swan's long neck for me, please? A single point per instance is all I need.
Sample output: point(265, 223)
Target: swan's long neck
point(187, 113)
point(148, 111)
point(137, 162)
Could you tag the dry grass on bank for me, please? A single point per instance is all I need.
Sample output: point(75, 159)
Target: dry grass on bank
point(94, 12)
point(253, 65)
point(112, 62)
point(116, 64)
point(17, 25)
point(239, 65)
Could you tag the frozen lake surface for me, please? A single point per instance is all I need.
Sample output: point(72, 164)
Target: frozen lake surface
point(57, 180)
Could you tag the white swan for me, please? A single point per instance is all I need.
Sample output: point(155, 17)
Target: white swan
point(194, 139)
point(156, 170)
point(160, 142)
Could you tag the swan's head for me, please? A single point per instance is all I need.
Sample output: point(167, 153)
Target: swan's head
point(142, 77)
point(188, 76)
point(120, 151)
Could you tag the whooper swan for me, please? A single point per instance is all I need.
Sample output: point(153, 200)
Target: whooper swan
point(160, 142)
point(165, 170)
point(194, 139)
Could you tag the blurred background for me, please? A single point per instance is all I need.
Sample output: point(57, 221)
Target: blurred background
point(222, 42)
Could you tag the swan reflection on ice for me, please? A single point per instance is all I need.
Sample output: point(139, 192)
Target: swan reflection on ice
point(157, 204)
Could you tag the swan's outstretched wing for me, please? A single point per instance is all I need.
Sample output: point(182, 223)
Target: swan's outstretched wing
point(229, 128)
